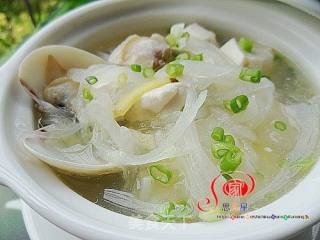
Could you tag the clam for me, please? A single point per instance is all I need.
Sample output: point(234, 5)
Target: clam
point(43, 73)
point(148, 51)
point(46, 64)
point(90, 141)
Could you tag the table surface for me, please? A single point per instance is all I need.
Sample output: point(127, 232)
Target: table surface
point(11, 222)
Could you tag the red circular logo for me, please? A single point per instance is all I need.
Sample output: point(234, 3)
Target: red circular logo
point(235, 188)
point(232, 188)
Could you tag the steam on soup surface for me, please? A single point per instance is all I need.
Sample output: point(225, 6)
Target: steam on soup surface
point(173, 128)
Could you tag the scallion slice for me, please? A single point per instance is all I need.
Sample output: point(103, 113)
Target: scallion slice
point(250, 75)
point(226, 104)
point(86, 93)
point(176, 212)
point(239, 103)
point(229, 139)
point(136, 67)
point(148, 72)
point(91, 80)
point(225, 150)
point(230, 161)
point(217, 134)
point(197, 57)
point(280, 125)
point(171, 207)
point(174, 69)
point(221, 152)
point(185, 35)
point(183, 208)
point(246, 44)
point(160, 173)
point(183, 56)
point(218, 150)
point(171, 40)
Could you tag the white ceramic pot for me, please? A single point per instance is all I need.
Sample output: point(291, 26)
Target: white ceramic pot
point(291, 31)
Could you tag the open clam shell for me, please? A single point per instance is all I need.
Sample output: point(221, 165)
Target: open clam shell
point(45, 64)
point(46, 67)
point(76, 160)
point(38, 70)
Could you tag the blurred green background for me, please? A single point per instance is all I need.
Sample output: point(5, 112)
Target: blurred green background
point(18, 20)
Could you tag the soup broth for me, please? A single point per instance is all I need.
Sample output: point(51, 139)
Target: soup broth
point(177, 128)
point(291, 87)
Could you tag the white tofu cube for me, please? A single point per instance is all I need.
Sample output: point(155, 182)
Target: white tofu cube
point(158, 98)
point(261, 56)
point(138, 50)
point(201, 33)
point(177, 29)
point(232, 50)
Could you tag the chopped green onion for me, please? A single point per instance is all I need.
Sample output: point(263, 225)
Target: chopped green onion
point(160, 173)
point(229, 139)
point(171, 207)
point(185, 35)
point(219, 150)
point(183, 208)
point(148, 72)
point(230, 161)
point(225, 150)
point(280, 125)
point(239, 103)
point(167, 213)
point(91, 79)
point(250, 75)
point(183, 56)
point(86, 93)
point(136, 67)
point(174, 69)
point(217, 134)
point(197, 57)
point(171, 40)
point(246, 44)
point(175, 212)
point(226, 104)
point(184, 204)
point(163, 218)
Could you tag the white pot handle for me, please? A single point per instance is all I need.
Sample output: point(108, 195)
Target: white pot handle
point(7, 72)
point(4, 178)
